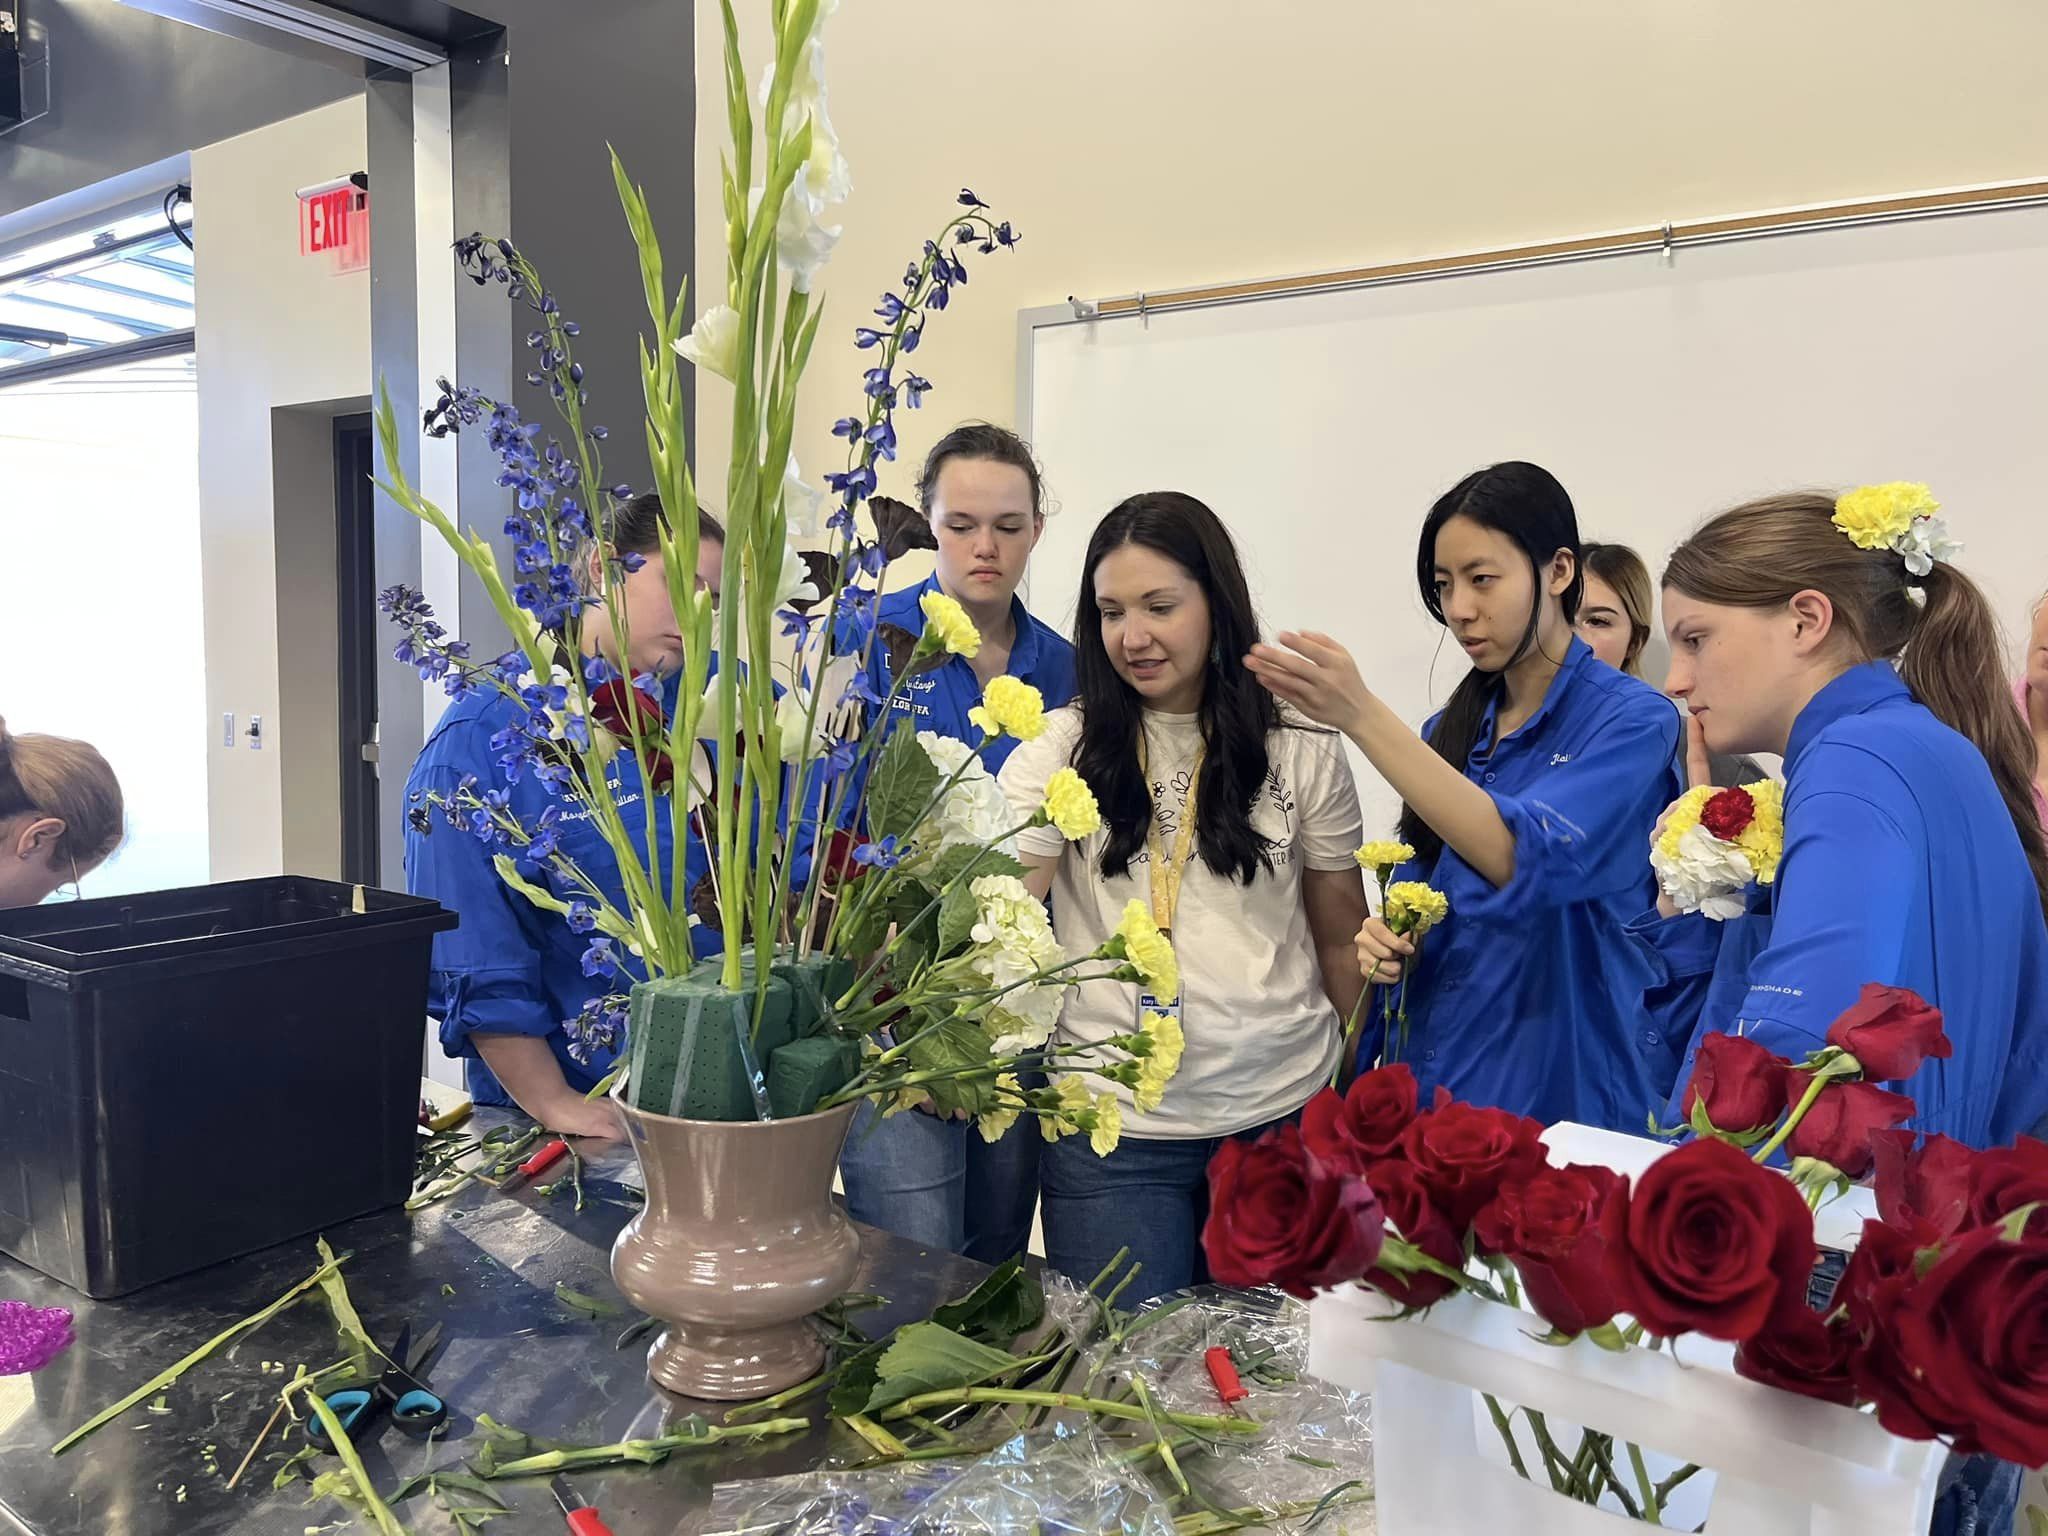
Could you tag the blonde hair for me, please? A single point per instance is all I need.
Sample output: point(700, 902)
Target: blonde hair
point(1623, 569)
point(54, 776)
point(1765, 552)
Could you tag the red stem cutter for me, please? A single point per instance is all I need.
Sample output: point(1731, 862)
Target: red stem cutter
point(1223, 1372)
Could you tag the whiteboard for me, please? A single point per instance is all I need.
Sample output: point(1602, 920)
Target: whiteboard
point(1659, 389)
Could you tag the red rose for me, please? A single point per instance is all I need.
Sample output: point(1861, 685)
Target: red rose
point(1364, 1125)
point(1801, 1352)
point(1924, 1191)
point(1417, 1221)
point(1709, 1242)
point(614, 706)
point(1728, 814)
point(1277, 1216)
point(1873, 1286)
point(1973, 1335)
point(1741, 1083)
point(1549, 1224)
point(1890, 1031)
point(837, 866)
point(1464, 1153)
point(1838, 1125)
point(2006, 1178)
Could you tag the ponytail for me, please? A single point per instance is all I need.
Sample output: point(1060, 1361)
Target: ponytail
point(1763, 553)
point(52, 776)
point(1954, 665)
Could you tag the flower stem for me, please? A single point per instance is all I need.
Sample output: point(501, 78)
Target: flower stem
point(1778, 1138)
point(1651, 1511)
point(646, 1452)
point(1094, 1405)
point(1506, 1427)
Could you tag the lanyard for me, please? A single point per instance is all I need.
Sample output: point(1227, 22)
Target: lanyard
point(1166, 875)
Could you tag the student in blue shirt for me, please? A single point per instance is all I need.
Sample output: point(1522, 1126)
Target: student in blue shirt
point(1527, 801)
point(936, 1181)
point(504, 983)
point(1913, 855)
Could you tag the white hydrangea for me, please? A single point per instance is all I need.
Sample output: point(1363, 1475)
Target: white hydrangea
point(974, 811)
point(1708, 876)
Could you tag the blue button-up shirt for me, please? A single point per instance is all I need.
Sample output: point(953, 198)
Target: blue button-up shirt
point(1528, 995)
point(1902, 867)
point(511, 968)
point(939, 699)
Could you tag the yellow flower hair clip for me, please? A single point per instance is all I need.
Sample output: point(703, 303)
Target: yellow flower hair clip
point(1903, 517)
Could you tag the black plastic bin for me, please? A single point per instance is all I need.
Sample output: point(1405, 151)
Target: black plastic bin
point(190, 1075)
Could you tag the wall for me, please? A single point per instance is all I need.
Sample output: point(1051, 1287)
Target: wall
point(1148, 144)
point(274, 330)
point(127, 88)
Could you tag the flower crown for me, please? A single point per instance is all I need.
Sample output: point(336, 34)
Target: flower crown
point(1903, 517)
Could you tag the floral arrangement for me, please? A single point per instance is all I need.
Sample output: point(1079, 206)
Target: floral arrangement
point(866, 870)
point(1713, 844)
point(1418, 1202)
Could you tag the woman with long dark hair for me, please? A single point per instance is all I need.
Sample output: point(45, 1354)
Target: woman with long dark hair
point(1233, 821)
point(1527, 801)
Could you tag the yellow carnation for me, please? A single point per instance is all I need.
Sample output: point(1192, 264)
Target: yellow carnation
point(1070, 805)
point(1413, 908)
point(1147, 949)
point(1073, 1109)
point(1682, 816)
point(997, 1121)
point(1012, 705)
point(1383, 854)
point(901, 1100)
point(1875, 516)
point(1109, 1125)
point(1763, 840)
point(1159, 1063)
point(947, 627)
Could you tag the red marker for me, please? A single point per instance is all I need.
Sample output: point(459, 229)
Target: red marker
point(545, 1157)
point(1223, 1372)
point(583, 1520)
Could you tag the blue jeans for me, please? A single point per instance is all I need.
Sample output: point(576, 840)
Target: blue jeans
point(936, 1182)
point(1150, 1195)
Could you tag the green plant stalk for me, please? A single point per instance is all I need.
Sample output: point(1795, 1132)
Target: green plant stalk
point(645, 1452)
point(1603, 1459)
point(1672, 1483)
point(158, 1383)
point(1094, 1405)
point(1652, 1512)
point(1779, 1137)
point(386, 1522)
point(795, 1394)
point(1506, 1427)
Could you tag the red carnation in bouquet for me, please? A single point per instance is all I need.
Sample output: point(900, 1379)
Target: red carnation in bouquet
point(1728, 814)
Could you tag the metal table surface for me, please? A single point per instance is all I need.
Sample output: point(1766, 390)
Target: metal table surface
point(509, 1348)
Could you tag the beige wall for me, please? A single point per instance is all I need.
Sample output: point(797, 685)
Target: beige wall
point(275, 329)
point(1146, 144)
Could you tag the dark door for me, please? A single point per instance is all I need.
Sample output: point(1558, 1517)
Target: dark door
point(354, 528)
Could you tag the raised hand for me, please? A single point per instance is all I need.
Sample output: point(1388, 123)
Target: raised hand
point(1313, 673)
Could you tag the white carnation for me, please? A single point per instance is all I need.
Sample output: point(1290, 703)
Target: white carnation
point(1708, 876)
point(973, 812)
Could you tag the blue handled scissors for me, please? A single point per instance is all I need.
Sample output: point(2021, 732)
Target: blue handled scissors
point(416, 1410)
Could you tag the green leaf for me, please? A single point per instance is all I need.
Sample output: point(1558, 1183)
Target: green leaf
point(926, 1357)
point(1008, 1302)
point(902, 785)
point(468, 1484)
point(917, 931)
point(2014, 1226)
point(857, 1379)
point(956, 861)
point(949, 1046)
point(957, 916)
point(2037, 1520)
point(346, 1320)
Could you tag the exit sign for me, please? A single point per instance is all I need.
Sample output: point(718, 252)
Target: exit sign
point(334, 220)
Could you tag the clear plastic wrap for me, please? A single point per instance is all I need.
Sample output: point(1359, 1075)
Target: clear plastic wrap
point(1311, 1464)
point(1055, 1481)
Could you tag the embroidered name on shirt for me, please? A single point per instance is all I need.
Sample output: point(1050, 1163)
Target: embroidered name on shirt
point(1557, 758)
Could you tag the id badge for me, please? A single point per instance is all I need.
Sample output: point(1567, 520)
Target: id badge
point(1147, 1003)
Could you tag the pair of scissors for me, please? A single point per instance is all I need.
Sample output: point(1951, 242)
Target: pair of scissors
point(415, 1409)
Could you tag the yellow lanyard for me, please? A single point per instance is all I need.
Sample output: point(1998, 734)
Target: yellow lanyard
point(1166, 875)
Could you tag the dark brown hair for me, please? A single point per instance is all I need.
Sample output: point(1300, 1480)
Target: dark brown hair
point(54, 776)
point(980, 440)
point(1765, 552)
point(635, 525)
